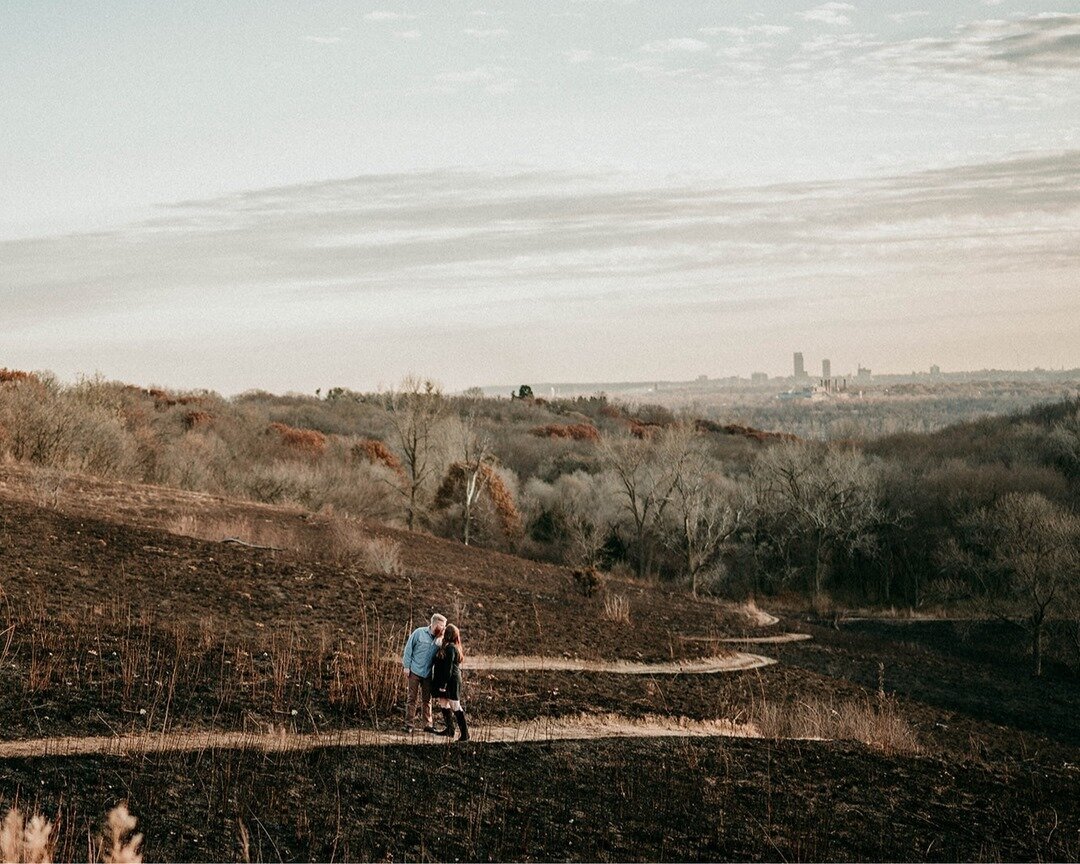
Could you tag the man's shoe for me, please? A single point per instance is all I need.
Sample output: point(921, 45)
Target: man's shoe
point(406, 728)
point(431, 729)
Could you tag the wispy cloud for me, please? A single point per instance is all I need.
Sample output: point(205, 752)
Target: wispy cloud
point(752, 30)
point(1034, 44)
point(323, 40)
point(316, 261)
point(684, 45)
point(835, 14)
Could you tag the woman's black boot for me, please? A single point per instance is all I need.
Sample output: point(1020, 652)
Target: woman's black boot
point(448, 723)
point(462, 725)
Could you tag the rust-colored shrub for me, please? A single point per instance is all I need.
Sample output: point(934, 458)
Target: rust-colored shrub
point(644, 431)
point(13, 375)
point(198, 419)
point(574, 431)
point(377, 453)
point(451, 491)
point(309, 442)
point(745, 431)
point(165, 399)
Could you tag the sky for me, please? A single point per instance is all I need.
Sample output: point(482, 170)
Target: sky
point(287, 196)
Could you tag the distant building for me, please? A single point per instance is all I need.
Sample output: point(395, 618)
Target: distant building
point(759, 377)
point(800, 369)
point(702, 378)
point(863, 374)
point(935, 371)
point(826, 369)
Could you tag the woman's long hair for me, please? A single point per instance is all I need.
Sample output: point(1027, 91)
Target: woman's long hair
point(452, 636)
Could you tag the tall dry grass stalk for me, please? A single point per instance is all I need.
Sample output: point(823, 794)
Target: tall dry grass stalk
point(361, 678)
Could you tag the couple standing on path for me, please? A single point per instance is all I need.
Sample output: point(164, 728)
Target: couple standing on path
point(432, 661)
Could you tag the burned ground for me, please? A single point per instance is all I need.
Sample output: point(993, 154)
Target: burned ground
point(115, 624)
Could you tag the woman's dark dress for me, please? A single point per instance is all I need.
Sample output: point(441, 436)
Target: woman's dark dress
point(446, 674)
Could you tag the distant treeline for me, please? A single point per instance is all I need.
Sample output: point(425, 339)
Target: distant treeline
point(980, 516)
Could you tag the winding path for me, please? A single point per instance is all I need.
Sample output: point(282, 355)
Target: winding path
point(735, 662)
point(586, 727)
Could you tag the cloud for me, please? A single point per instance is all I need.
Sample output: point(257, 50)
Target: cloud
point(397, 271)
point(384, 15)
point(1035, 44)
point(409, 35)
point(901, 17)
point(481, 33)
point(671, 46)
point(577, 56)
point(323, 40)
point(493, 79)
point(829, 13)
point(752, 30)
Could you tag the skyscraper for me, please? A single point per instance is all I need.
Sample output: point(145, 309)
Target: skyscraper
point(826, 369)
point(800, 370)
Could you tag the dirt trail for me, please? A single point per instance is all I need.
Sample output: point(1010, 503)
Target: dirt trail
point(585, 727)
point(737, 662)
point(778, 639)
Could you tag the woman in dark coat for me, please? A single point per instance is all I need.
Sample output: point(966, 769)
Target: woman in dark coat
point(446, 682)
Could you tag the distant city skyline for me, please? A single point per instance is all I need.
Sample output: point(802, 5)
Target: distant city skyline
point(289, 195)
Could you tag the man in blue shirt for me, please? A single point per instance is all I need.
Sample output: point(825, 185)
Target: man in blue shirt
point(417, 658)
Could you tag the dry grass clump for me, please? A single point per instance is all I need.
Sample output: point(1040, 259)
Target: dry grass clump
point(616, 608)
point(28, 841)
point(875, 722)
point(573, 431)
point(255, 532)
point(382, 556)
point(124, 848)
point(308, 442)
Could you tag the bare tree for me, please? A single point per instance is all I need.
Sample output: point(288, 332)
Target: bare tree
point(648, 471)
point(824, 497)
point(415, 411)
point(708, 509)
point(472, 448)
point(1025, 553)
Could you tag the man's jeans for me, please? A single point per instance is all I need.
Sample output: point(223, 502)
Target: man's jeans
point(419, 691)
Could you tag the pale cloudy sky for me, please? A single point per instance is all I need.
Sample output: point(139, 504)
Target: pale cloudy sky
point(291, 195)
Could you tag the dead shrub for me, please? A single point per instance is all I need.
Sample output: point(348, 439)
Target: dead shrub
point(382, 556)
point(308, 442)
point(377, 453)
point(587, 580)
point(198, 420)
point(10, 375)
point(616, 608)
point(573, 431)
